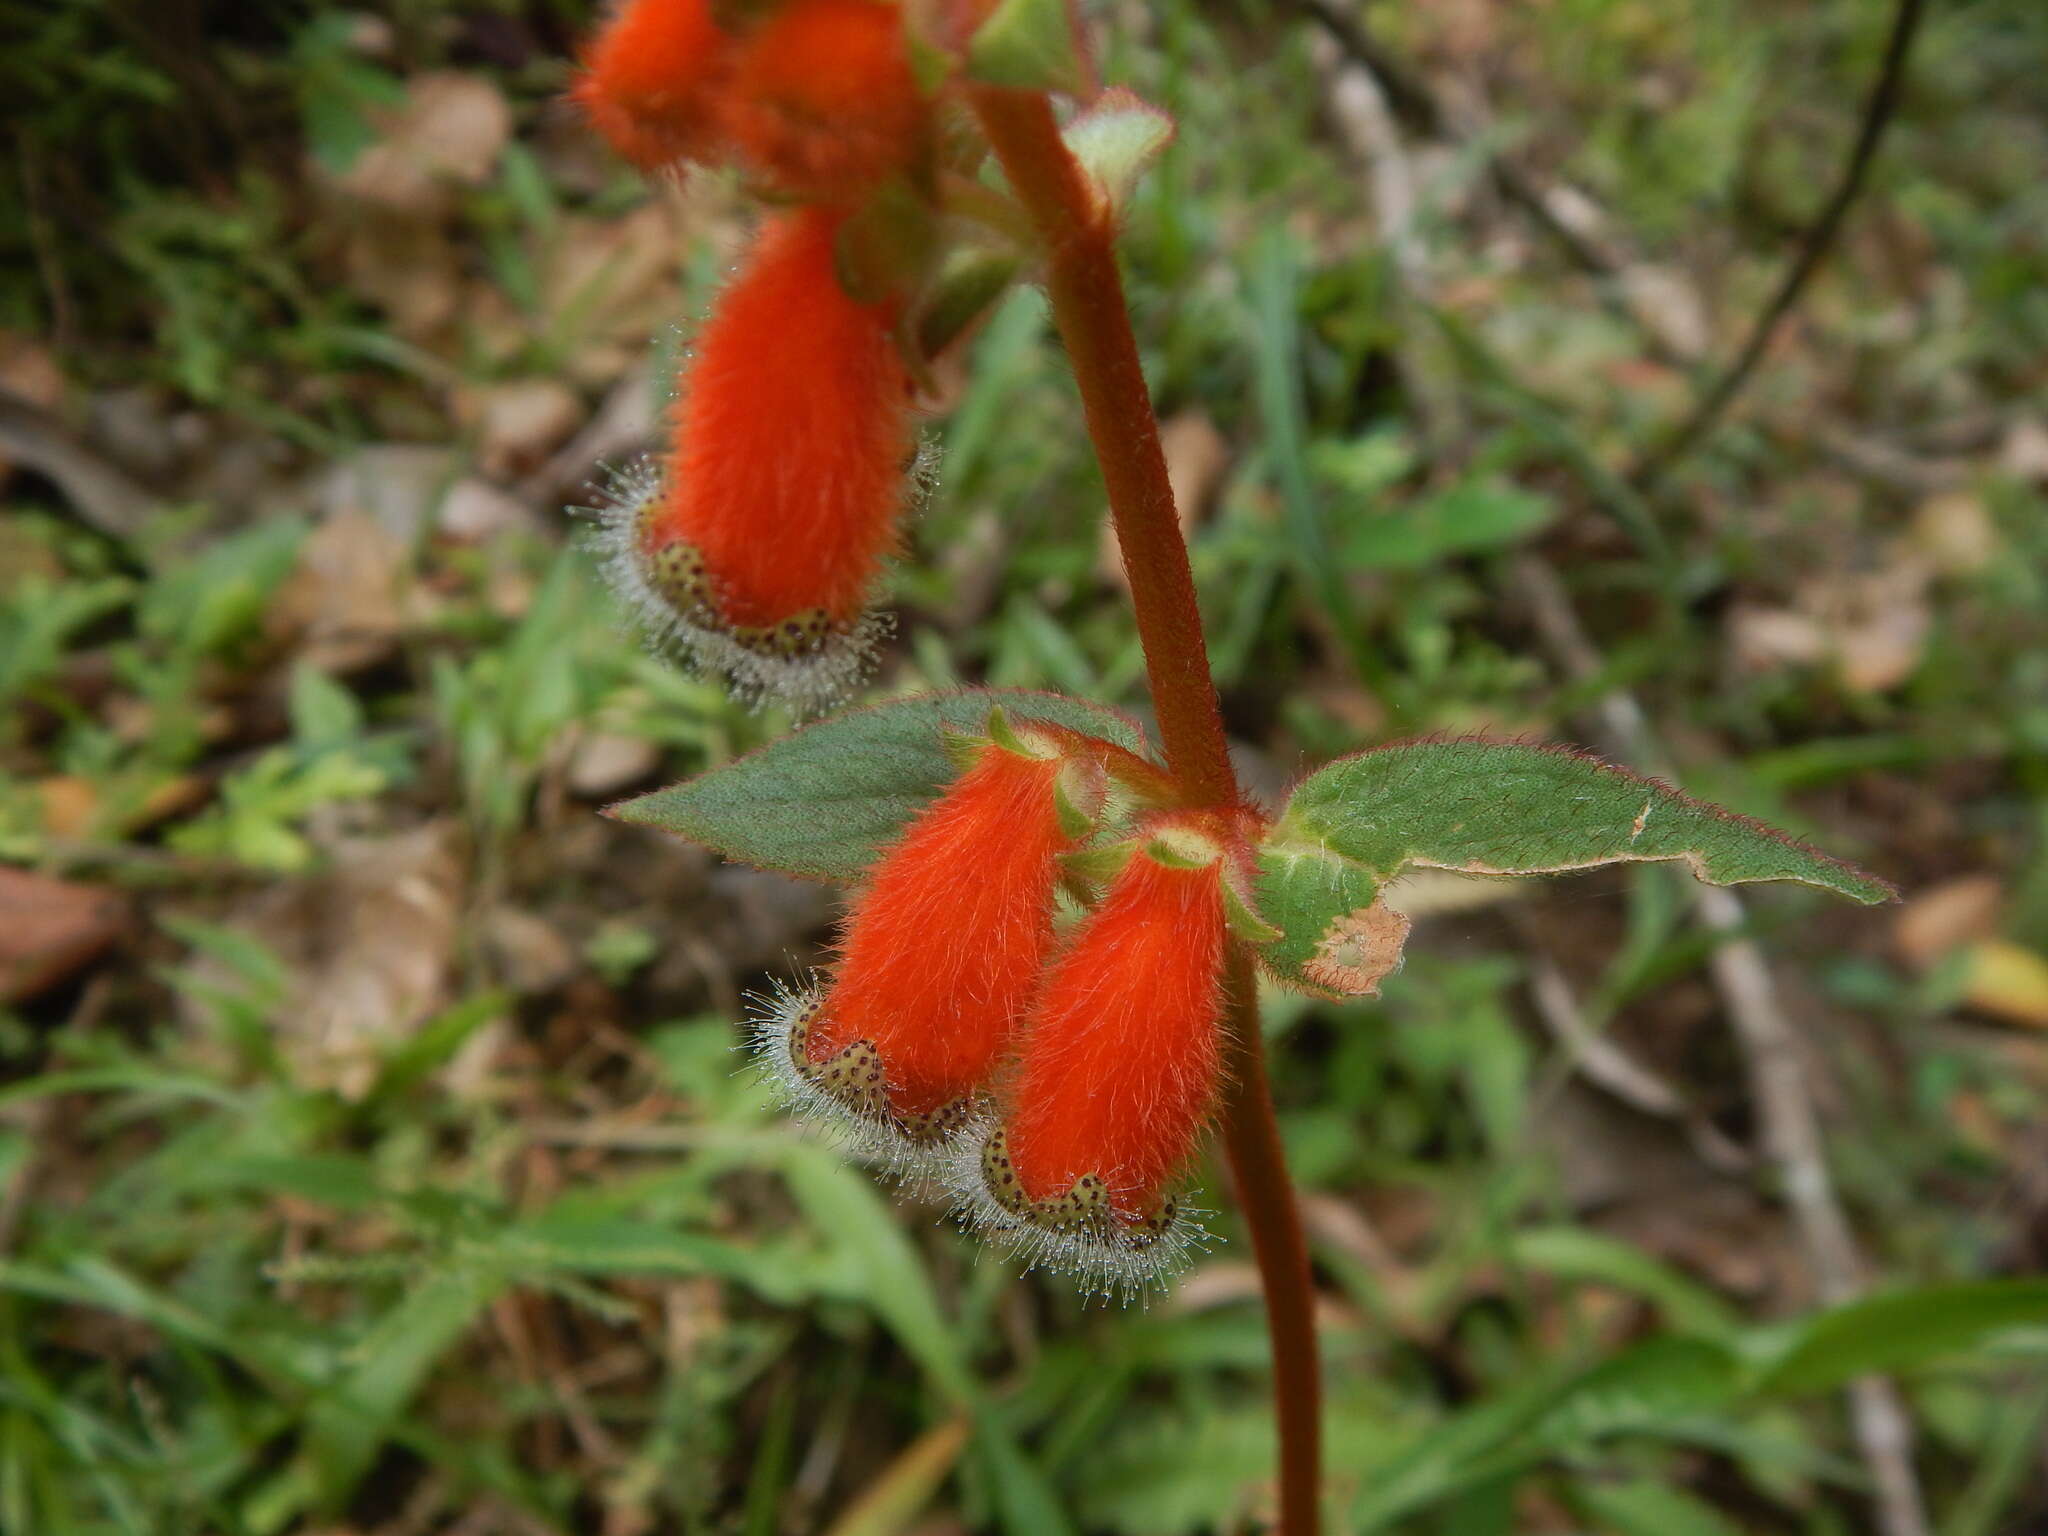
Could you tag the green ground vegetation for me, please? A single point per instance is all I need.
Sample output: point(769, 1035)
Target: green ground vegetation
point(386, 1169)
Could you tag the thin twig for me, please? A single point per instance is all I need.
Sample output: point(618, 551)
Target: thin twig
point(1364, 116)
point(1791, 1128)
point(103, 495)
point(1607, 1066)
point(1564, 214)
point(1813, 249)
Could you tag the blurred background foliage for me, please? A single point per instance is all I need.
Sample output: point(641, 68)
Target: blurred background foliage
point(371, 1154)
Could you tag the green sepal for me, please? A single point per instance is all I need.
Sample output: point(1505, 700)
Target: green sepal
point(1027, 45)
point(1004, 735)
point(1244, 922)
point(968, 285)
point(1182, 848)
point(884, 247)
point(1079, 793)
point(824, 801)
point(1117, 140)
point(1098, 866)
point(930, 65)
point(964, 748)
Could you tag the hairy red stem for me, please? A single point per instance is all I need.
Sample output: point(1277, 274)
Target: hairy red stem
point(1088, 306)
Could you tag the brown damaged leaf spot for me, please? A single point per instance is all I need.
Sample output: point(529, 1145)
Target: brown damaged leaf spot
point(1359, 950)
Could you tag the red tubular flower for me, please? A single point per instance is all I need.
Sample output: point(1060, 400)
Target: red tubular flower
point(1121, 1059)
point(939, 955)
point(761, 545)
point(824, 103)
point(653, 81)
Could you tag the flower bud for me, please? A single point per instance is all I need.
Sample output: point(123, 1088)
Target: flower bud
point(1120, 1062)
point(653, 81)
point(824, 103)
point(939, 955)
point(760, 544)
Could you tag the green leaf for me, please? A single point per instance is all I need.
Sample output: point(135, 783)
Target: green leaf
point(330, 1179)
point(1025, 1504)
point(1475, 515)
point(1027, 45)
point(885, 243)
point(1646, 1507)
point(1512, 808)
point(883, 1267)
point(572, 1243)
point(892, 1502)
point(1576, 1253)
point(968, 284)
point(1323, 906)
point(359, 1412)
point(1897, 1332)
point(825, 800)
point(1641, 1389)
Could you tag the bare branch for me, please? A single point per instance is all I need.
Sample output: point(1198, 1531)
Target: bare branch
point(1770, 1048)
point(1813, 249)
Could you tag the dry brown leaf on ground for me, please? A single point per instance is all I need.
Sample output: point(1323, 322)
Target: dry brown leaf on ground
point(398, 484)
point(368, 946)
point(119, 805)
point(31, 370)
point(1764, 639)
point(395, 203)
point(1954, 532)
point(1940, 920)
point(475, 511)
point(518, 423)
point(51, 929)
point(1871, 626)
point(1669, 305)
point(2024, 453)
point(527, 950)
point(410, 267)
point(342, 602)
point(605, 763)
point(2007, 981)
point(446, 134)
point(617, 280)
point(625, 422)
point(1881, 629)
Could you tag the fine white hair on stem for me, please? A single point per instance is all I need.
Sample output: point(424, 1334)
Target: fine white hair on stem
point(1110, 1261)
point(809, 683)
point(772, 1022)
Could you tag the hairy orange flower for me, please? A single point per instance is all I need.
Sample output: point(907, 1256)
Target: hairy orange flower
point(824, 103)
point(761, 543)
point(653, 81)
point(940, 954)
point(1121, 1059)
